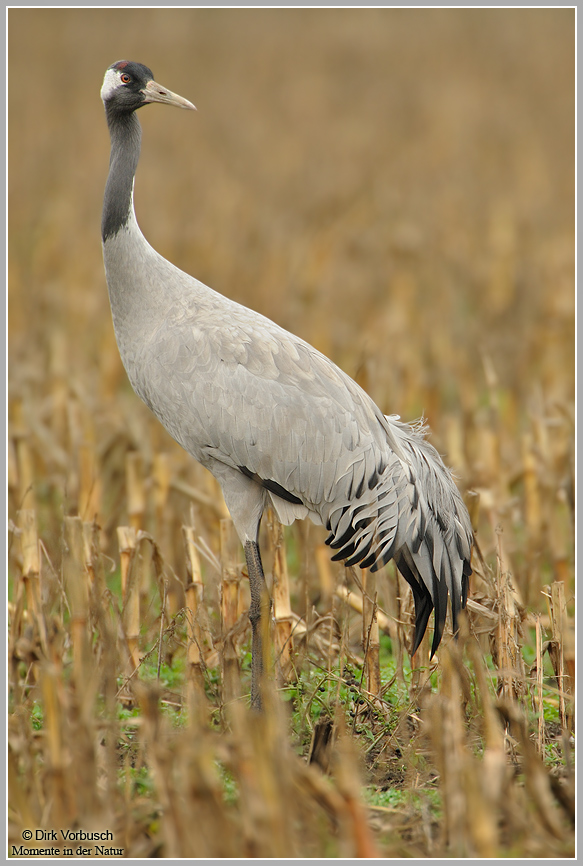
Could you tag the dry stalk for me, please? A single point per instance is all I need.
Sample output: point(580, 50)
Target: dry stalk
point(560, 639)
point(157, 735)
point(61, 796)
point(130, 581)
point(421, 667)
point(537, 778)
point(263, 765)
point(493, 775)
point(162, 476)
point(532, 502)
point(447, 735)
point(354, 598)
point(89, 480)
point(322, 743)
point(395, 593)
point(507, 638)
point(22, 810)
point(76, 584)
point(229, 596)
point(473, 503)
point(75, 438)
point(538, 702)
point(29, 544)
point(24, 460)
point(370, 633)
point(199, 638)
point(532, 509)
point(11, 466)
point(356, 837)
point(136, 497)
point(93, 560)
point(282, 612)
point(469, 827)
point(58, 369)
point(105, 623)
point(126, 538)
point(326, 579)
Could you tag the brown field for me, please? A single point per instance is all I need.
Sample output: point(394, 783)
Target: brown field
point(396, 187)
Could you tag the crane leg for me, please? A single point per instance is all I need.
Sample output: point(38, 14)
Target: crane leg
point(258, 611)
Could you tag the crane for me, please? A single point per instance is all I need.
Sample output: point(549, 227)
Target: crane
point(276, 422)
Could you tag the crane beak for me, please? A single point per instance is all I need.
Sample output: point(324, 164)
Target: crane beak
point(154, 92)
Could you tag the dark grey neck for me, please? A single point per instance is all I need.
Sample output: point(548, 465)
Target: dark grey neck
point(126, 134)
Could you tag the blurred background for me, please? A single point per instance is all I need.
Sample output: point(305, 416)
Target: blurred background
point(395, 186)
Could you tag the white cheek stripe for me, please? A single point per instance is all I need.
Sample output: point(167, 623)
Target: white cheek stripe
point(111, 82)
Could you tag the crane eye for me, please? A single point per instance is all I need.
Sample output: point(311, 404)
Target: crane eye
point(125, 78)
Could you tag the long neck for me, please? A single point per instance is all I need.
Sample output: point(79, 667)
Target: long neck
point(126, 134)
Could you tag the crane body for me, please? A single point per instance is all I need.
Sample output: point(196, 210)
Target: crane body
point(274, 420)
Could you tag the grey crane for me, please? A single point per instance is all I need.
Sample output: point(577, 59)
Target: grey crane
point(274, 420)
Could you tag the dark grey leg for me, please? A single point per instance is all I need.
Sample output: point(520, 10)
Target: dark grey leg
point(260, 605)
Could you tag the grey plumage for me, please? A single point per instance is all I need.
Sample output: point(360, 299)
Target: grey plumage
point(274, 420)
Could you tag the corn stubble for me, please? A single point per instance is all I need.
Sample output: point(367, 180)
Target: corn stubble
point(442, 280)
point(224, 782)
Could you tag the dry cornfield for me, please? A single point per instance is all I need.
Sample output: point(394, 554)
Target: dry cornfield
point(397, 187)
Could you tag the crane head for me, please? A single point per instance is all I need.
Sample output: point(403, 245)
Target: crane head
point(128, 85)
